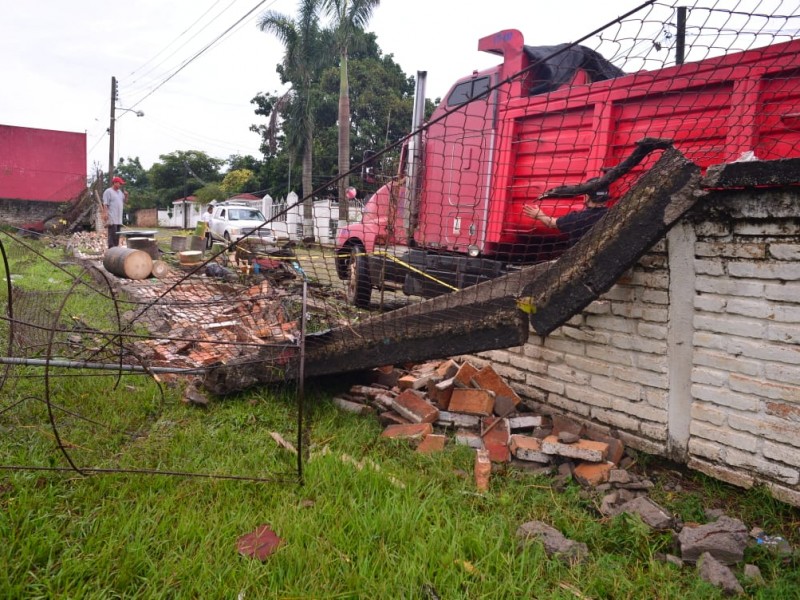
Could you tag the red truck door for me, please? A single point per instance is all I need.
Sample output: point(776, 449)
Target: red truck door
point(458, 151)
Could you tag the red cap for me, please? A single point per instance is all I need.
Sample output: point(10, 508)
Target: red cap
point(118, 180)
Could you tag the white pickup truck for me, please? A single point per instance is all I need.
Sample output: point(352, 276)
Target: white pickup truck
point(232, 221)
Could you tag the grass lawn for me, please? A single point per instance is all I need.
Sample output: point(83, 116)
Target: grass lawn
point(373, 519)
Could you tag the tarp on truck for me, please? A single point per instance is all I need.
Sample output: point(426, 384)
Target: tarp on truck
point(557, 65)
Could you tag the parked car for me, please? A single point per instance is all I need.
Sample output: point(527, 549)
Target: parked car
point(230, 222)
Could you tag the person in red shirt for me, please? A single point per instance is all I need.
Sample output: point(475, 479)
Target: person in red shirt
point(114, 199)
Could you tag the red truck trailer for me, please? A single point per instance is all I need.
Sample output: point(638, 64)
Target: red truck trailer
point(503, 137)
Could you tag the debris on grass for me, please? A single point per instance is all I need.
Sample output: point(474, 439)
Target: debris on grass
point(259, 544)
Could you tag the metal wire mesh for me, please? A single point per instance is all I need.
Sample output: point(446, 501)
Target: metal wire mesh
point(525, 194)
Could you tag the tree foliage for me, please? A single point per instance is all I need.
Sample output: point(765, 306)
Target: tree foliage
point(181, 173)
point(381, 101)
point(304, 55)
point(237, 180)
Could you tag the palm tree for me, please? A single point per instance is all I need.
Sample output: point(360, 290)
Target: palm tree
point(303, 59)
point(348, 16)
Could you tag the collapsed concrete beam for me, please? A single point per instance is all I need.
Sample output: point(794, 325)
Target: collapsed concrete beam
point(589, 268)
point(437, 328)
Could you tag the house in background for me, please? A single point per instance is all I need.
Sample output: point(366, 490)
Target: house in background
point(40, 169)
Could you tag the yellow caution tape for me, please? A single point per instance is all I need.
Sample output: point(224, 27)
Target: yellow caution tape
point(414, 269)
point(527, 305)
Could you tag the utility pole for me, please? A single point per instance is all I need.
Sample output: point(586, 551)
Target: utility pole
point(111, 129)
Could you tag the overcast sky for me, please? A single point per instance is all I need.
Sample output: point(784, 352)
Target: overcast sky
point(59, 57)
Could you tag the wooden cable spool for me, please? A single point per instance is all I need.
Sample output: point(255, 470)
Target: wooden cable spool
point(161, 269)
point(178, 243)
point(128, 262)
point(148, 245)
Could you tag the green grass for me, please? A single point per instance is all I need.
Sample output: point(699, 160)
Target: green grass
point(372, 518)
point(395, 526)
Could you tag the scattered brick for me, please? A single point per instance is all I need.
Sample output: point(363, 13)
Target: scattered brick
point(447, 369)
point(353, 407)
point(463, 378)
point(406, 382)
point(504, 406)
point(592, 474)
point(413, 407)
point(387, 376)
point(472, 402)
point(453, 419)
point(413, 431)
point(587, 450)
point(616, 449)
point(440, 395)
point(488, 379)
point(367, 391)
point(522, 422)
point(390, 417)
point(466, 437)
point(432, 443)
point(562, 423)
point(528, 449)
point(496, 438)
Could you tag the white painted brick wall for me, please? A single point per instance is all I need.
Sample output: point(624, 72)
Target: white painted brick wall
point(609, 366)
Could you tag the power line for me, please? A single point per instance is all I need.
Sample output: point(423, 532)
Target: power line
point(154, 67)
point(184, 32)
point(198, 54)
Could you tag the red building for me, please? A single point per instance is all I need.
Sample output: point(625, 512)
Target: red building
point(39, 169)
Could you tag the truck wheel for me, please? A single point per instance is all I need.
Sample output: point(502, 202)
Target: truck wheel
point(359, 287)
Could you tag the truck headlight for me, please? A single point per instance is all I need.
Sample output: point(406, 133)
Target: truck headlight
point(473, 251)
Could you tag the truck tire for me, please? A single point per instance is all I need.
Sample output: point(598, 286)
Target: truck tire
point(359, 288)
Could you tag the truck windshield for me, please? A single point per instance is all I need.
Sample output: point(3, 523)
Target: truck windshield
point(467, 90)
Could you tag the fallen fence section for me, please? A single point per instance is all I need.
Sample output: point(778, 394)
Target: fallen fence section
point(488, 316)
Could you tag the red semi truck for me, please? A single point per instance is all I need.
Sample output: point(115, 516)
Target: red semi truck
point(499, 140)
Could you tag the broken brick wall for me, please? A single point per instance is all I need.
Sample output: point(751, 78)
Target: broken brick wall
point(695, 353)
